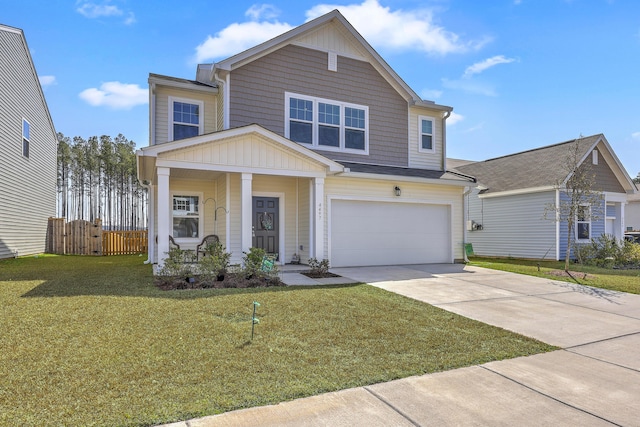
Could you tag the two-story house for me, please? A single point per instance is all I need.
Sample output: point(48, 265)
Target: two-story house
point(307, 144)
point(27, 151)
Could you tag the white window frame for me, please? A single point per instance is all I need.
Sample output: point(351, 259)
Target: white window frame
point(26, 139)
point(200, 104)
point(433, 134)
point(200, 216)
point(316, 123)
point(587, 221)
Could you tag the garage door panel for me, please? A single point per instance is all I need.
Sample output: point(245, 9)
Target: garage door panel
point(382, 233)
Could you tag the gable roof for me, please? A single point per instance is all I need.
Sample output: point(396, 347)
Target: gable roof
point(298, 34)
point(542, 167)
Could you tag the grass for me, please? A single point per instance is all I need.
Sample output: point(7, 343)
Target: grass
point(614, 279)
point(91, 341)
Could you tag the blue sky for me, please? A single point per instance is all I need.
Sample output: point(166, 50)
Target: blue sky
point(520, 74)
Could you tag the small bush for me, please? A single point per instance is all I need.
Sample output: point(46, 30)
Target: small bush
point(608, 252)
point(179, 263)
point(629, 254)
point(319, 267)
point(214, 263)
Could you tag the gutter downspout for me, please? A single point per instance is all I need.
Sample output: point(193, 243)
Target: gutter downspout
point(225, 96)
point(465, 218)
point(150, 242)
point(445, 116)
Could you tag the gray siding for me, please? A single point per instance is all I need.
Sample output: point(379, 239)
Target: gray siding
point(27, 185)
point(513, 226)
point(604, 178)
point(258, 95)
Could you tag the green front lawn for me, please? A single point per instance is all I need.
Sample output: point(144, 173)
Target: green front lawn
point(91, 341)
point(614, 279)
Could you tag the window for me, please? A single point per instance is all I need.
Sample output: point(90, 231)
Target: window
point(185, 118)
point(326, 124)
point(186, 216)
point(26, 137)
point(583, 222)
point(425, 125)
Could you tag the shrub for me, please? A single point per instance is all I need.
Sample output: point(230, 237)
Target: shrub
point(629, 254)
point(319, 267)
point(179, 263)
point(214, 263)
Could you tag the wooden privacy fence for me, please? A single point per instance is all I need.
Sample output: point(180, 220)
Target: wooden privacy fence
point(124, 242)
point(88, 238)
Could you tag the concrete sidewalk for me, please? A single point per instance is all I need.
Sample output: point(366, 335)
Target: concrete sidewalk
point(593, 381)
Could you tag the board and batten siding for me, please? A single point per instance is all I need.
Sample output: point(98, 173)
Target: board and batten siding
point(425, 160)
point(351, 188)
point(27, 185)
point(161, 118)
point(258, 96)
point(513, 226)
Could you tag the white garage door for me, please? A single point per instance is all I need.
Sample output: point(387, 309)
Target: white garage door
point(379, 233)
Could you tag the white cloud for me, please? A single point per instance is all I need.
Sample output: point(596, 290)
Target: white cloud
point(92, 10)
point(635, 136)
point(105, 9)
point(237, 38)
point(47, 80)
point(412, 29)
point(454, 118)
point(481, 66)
point(431, 94)
point(470, 86)
point(262, 11)
point(116, 95)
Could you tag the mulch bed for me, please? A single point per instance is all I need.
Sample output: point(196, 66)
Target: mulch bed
point(229, 281)
point(315, 275)
point(572, 274)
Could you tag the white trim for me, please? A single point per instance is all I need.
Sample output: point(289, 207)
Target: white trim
point(557, 221)
point(391, 199)
point(435, 181)
point(594, 157)
point(315, 124)
point(516, 192)
point(200, 195)
point(281, 219)
point(433, 134)
point(587, 220)
point(155, 150)
point(172, 100)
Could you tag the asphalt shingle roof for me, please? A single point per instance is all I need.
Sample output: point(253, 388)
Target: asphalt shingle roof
point(407, 172)
point(539, 167)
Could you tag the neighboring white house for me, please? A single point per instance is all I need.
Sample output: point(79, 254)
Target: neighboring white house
point(307, 144)
point(506, 210)
point(27, 151)
point(633, 213)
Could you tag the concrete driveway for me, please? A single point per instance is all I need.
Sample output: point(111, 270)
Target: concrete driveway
point(593, 381)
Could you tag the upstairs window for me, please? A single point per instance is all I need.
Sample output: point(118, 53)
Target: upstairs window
point(425, 131)
point(185, 118)
point(26, 138)
point(326, 124)
point(583, 222)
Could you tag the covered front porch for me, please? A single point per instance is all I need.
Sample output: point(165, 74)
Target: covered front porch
point(248, 186)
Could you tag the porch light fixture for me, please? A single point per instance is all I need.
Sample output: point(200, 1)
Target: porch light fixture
point(397, 190)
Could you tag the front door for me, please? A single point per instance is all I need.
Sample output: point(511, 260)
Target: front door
point(265, 224)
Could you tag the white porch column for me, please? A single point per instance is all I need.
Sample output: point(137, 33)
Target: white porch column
point(318, 219)
point(246, 215)
point(164, 209)
point(151, 224)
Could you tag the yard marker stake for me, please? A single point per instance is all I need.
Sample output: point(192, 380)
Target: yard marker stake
point(254, 319)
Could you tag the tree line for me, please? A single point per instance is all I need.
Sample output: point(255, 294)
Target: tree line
point(97, 179)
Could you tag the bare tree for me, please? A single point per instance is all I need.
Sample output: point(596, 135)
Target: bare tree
point(579, 202)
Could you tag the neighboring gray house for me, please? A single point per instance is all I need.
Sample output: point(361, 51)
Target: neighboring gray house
point(307, 144)
point(27, 151)
point(505, 212)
